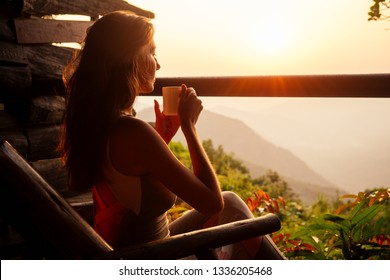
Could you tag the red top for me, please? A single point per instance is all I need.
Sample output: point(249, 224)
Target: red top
point(119, 226)
point(109, 213)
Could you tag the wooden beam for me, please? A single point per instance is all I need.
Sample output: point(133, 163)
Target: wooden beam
point(43, 142)
point(15, 75)
point(16, 138)
point(47, 110)
point(32, 31)
point(12, 54)
point(7, 120)
point(78, 7)
point(6, 30)
point(15, 82)
point(47, 62)
point(366, 85)
point(182, 245)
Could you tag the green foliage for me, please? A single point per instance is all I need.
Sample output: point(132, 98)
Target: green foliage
point(181, 153)
point(233, 175)
point(355, 227)
point(223, 163)
point(376, 9)
point(178, 210)
point(363, 232)
point(237, 182)
point(275, 186)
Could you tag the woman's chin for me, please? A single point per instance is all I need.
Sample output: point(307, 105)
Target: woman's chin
point(147, 89)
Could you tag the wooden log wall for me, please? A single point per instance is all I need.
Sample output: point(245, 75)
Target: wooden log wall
point(32, 99)
point(31, 66)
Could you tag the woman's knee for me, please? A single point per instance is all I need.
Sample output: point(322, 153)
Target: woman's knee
point(232, 199)
point(234, 204)
point(229, 197)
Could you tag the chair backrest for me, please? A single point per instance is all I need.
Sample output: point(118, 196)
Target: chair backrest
point(40, 214)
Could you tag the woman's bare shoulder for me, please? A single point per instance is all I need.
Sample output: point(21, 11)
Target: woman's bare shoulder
point(133, 126)
point(129, 121)
point(131, 142)
point(133, 132)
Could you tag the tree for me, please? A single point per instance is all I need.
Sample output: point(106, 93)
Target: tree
point(181, 153)
point(232, 174)
point(377, 8)
point(222, 161)
point(273, 184)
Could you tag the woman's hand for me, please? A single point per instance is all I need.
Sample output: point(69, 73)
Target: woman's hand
point(190, 107)
point(166, 126)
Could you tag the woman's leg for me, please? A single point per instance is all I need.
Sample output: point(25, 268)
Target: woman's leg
point(189, 221)
point(235, 209)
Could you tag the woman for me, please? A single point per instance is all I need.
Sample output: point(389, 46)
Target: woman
point(134, 176)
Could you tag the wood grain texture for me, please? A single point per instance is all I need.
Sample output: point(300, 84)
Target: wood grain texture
point(33, 31)
point(79, 7)
point(46, 109)
point(46, 61)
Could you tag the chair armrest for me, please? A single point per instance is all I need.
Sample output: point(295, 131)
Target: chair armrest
point(186, 244)
point(40, 214)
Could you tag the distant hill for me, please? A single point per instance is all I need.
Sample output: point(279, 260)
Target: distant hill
point(346, 140)
point(258, 154)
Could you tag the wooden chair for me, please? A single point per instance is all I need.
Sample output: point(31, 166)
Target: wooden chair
point(57, 231)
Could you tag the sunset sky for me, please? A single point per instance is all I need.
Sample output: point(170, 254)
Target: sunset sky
point(345, 140)
point(258, 37)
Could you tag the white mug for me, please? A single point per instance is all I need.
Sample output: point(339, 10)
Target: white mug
point(171, 100)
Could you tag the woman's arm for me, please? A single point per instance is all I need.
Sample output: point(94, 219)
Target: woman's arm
point(137, 149)
point(189, 110)
point(166, 126)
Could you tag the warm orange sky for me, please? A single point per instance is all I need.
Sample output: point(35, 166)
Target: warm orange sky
point(344, 140)
point(258, 37)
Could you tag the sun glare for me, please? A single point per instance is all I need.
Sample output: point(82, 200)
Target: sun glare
point(271, 35)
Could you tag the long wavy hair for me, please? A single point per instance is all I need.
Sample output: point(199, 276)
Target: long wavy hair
point(101, 82)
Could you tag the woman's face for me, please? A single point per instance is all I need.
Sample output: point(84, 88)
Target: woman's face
point(151, 66)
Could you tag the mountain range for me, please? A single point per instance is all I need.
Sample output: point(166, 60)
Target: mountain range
point(258, 154)
point(345, 140)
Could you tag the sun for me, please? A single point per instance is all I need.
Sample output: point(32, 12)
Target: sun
point(271, 35)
